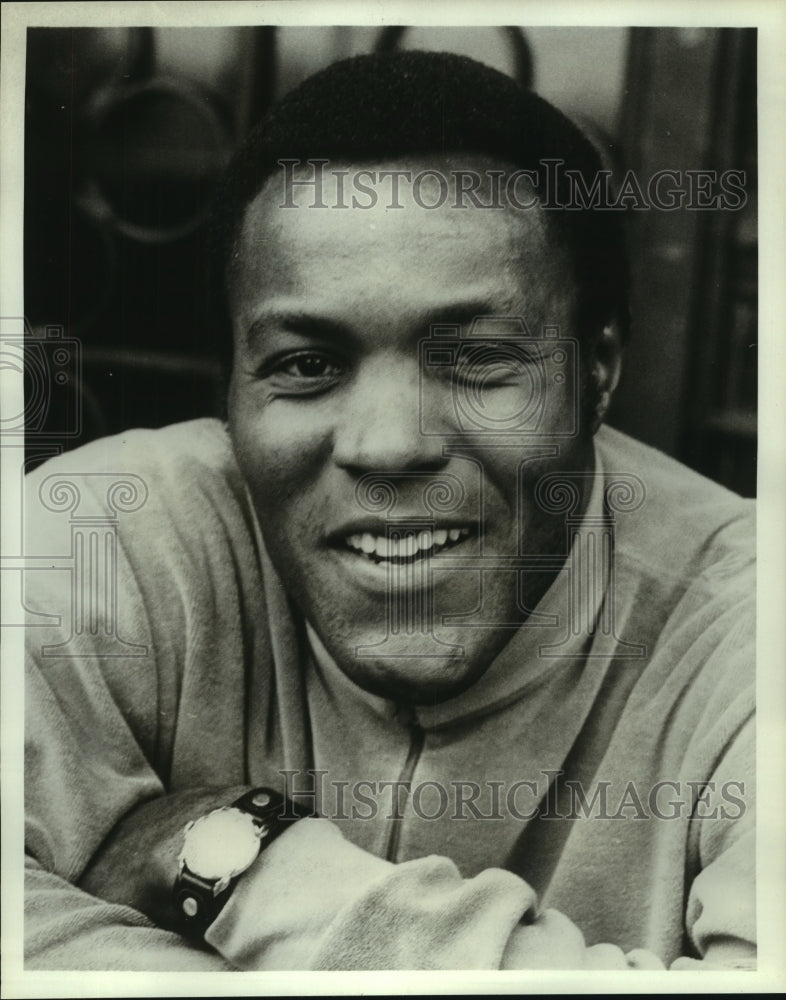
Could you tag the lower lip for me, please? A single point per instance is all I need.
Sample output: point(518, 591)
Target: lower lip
point(388, 576)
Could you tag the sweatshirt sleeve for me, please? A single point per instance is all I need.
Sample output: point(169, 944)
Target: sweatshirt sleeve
point(93, 704)
point(721, 911)
point(84, 771)
point(66, 928)
point(314, 901)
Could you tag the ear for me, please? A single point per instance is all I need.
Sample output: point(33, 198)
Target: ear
point(606, 369)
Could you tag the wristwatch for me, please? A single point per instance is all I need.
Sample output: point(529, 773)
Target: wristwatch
point(220, 846)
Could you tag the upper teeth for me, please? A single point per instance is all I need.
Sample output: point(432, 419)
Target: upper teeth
point(406, 546)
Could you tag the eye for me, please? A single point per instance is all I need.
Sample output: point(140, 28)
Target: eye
point(309, 365)
point(494, 363)
point(301, 372)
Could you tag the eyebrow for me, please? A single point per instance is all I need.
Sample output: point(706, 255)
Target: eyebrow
point(317, 326)
point(306, 324)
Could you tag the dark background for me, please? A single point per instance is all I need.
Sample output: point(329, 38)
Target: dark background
point(127, 129)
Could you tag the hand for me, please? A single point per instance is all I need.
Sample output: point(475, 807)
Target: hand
point(137, 863)
point(553, 941)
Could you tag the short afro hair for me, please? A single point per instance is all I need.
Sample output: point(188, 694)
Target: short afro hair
point(382, 107)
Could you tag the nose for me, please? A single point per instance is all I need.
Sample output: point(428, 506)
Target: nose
point(380, 428)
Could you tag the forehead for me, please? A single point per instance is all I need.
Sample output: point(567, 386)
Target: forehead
point(404, 228)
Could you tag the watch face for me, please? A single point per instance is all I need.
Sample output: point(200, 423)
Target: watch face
point(222, 844)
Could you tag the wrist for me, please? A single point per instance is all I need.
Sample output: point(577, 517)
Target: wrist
point(137, 862)
point(218, 847)
point(165, 862)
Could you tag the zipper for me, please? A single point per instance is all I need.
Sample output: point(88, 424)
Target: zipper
point(416, 741)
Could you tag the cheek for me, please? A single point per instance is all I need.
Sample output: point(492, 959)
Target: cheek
point(279, 455)
point(511, 486)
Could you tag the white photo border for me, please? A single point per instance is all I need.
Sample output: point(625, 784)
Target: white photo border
point(770, 18)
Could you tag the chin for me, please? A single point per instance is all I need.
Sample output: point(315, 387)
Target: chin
point(408, 674)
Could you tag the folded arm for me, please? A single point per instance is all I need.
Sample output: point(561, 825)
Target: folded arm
point(313, 900)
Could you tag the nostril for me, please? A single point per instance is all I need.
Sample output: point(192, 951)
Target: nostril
point(384, 446)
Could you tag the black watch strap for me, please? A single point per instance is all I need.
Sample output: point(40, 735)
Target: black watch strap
point(267, 805)
point(199, 900)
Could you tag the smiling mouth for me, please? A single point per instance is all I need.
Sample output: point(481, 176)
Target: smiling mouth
point(409, 547)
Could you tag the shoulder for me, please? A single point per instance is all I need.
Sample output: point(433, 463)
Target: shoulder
point(174, 467)
point(682, 526)
point(684, 591)
point(175, 456)
point(684, 561)
point(685, 573)
point(173, 495)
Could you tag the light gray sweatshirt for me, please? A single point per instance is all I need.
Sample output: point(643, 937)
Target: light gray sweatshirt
point(590, 797)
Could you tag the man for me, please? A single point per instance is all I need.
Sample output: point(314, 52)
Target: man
point(503, 653)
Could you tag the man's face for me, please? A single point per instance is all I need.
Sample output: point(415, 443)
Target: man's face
point(395, 486)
